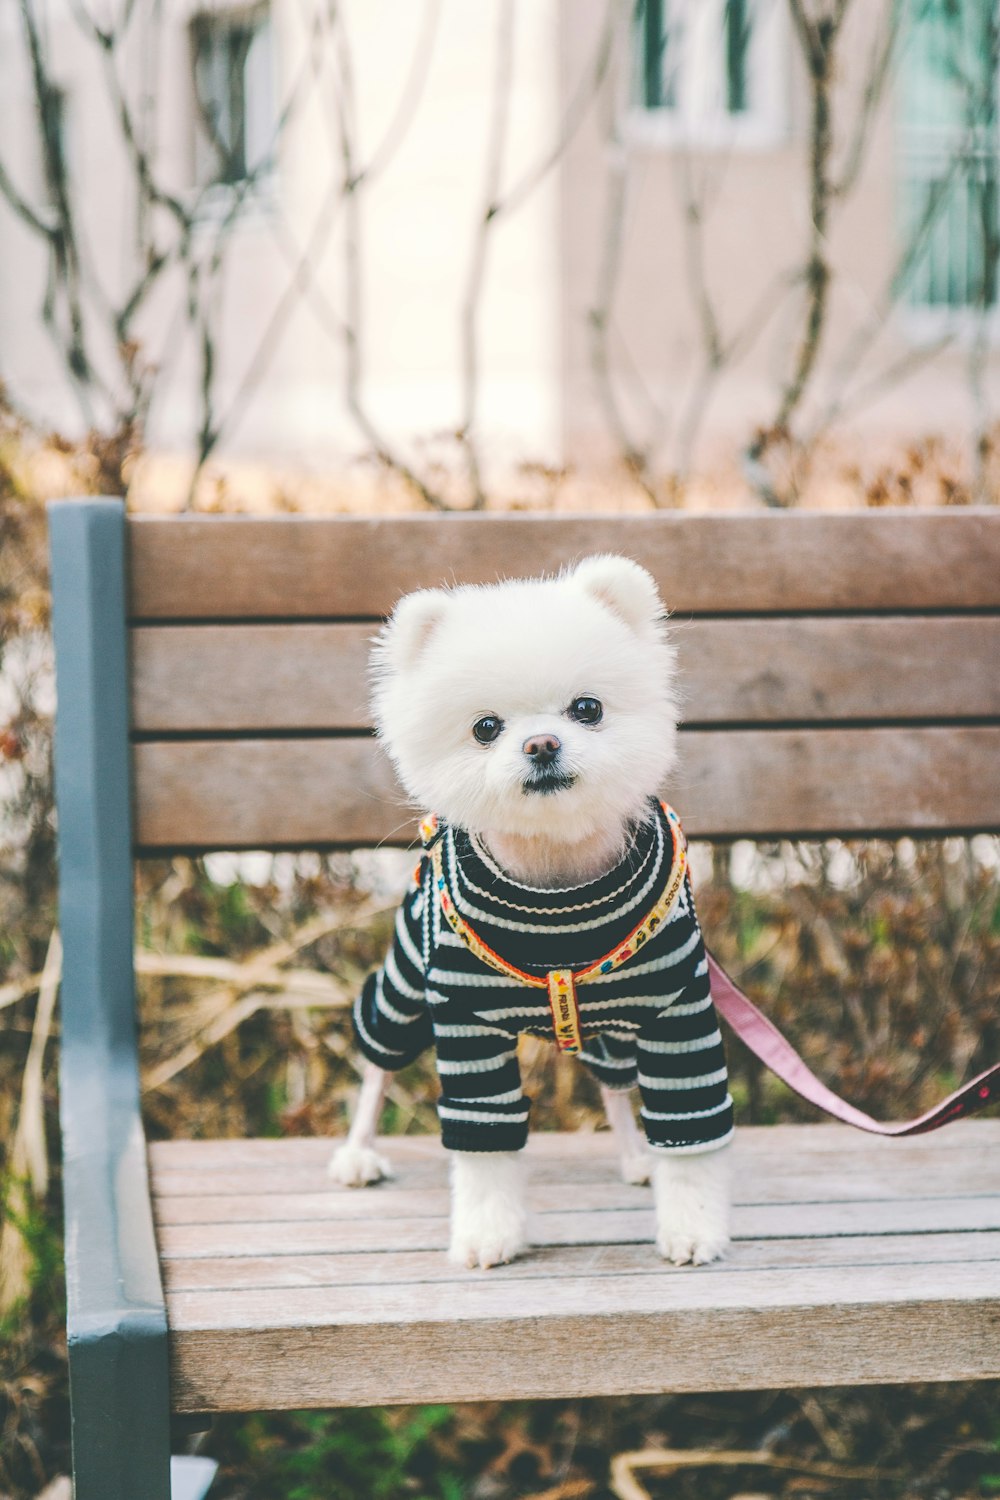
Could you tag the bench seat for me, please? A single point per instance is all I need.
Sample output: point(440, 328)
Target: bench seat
point(852, 1256)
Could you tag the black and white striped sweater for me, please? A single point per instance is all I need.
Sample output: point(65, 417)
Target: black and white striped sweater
point(651, 1021)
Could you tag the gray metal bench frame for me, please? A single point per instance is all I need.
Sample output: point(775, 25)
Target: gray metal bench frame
point(116, 1316)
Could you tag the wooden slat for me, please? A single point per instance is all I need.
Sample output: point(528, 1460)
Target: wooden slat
point(236, 1199)
point(276, 1193)
point(840, 669)
point(825, 1289)
point(407, 1267)
point(493, 1297)
point(300, 567)
point(588, 1153)
point(216, 794)
point(784, 1162)
point(250, 677)
point(315, 677)
point(786, 1182)
point(925, 1329)
point(588, 1227)
point(289, 1178)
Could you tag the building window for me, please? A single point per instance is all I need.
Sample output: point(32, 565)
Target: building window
point(233, 94)
point(949, 169)
point(737, 29)
point(709, 72)
point(657, 47)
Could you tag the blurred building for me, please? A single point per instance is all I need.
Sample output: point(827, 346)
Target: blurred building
point(579, 228)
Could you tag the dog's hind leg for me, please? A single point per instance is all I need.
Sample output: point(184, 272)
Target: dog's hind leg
point(636, 1162)
point(356, 1163)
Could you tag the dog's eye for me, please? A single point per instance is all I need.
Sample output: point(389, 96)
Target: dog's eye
point(487, 729)
point(586, 710)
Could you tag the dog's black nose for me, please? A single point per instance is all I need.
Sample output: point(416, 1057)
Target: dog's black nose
point(542, 748)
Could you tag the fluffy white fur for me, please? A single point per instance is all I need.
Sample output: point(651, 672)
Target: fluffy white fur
point(523, 651)
point(489, 1219)
point(356, 1163)
point(692, 1195)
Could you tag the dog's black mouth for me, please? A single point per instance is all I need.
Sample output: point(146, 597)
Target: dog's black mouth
point(547, 782)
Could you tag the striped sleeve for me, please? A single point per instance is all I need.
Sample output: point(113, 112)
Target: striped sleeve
point(686, 1104)
point(391, 1020)
point(481, 1107)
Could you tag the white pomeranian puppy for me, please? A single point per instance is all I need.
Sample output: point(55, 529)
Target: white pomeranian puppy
point(537, 718)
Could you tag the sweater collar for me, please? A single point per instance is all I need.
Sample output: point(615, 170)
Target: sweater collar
point(477, 878)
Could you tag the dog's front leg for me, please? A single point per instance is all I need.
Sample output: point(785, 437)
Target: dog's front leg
point(636, 1161)
point(356, 1163)
point(488, 1214)
point(692, 1195)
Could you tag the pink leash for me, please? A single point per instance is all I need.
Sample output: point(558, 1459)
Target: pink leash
point(766, 1042)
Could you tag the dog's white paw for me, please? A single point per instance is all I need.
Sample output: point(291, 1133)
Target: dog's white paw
point(357, 1166)
point(690, 1247)
point(496, 1238)
point(637, 1168)
point(692, 1207)
point(489, 1221)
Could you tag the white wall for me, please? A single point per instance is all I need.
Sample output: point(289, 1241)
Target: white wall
point(416, 219)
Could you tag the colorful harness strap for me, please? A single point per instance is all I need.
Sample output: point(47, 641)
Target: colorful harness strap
point(561, 984)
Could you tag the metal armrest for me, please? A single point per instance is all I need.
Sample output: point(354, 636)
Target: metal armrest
point(116, 1319)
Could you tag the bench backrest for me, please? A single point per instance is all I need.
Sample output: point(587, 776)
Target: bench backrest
point(840, 671)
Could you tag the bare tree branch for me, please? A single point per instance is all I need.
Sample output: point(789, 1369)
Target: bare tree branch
point(634, 455)
point(582, 101)
point(818, 36)
point(877, 77)
point(36, 219)
point(469, 319)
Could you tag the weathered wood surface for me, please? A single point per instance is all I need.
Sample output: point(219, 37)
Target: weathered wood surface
point(568, 1227)
point(420, 1153)
point(214, 567)
point(178, 1188)
point(854, 1260)
point(344, 1267)
point(208, 678)
point(235, 1197)
point(260, 793)
point(921, 1330)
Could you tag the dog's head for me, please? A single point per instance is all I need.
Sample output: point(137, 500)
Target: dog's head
point(538, 706)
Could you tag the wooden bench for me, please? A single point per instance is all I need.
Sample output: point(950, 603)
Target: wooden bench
point(842, 677)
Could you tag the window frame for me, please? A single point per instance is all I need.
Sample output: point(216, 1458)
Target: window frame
point(215, 197)
point(701, 120)
point(920, 147)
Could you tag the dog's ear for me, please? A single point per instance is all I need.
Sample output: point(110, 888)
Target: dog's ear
point(409, 628)
point(625, 588)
